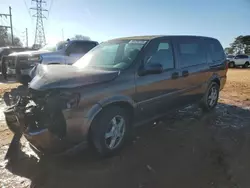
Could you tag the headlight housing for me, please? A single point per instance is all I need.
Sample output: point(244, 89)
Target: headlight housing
point(73, 101)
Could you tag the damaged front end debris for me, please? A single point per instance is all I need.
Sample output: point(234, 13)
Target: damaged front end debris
point(40, 119)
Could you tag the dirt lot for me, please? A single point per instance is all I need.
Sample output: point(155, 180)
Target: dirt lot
point(185, 149)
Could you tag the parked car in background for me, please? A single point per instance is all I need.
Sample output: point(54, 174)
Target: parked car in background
point(119, 84)
point(229, 57)
point(4, 51)
point(64, 52)
point(240, 60)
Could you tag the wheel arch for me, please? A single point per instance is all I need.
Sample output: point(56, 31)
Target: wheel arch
point(215, 78)
point(122, 101)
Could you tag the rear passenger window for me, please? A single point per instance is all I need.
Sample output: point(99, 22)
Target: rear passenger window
point(189, 48)
point(190, 52)
point(161, 52)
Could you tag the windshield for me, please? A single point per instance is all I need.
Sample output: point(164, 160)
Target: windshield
point(112, 55)
point(54, 47)
point(1, 49)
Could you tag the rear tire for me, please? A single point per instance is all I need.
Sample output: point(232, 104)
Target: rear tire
point(110, 130)
point(231, 64)
point(210, 99)
point(246, 65)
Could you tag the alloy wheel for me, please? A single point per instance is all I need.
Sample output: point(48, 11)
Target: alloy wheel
point(115, 133)
point(213, 96)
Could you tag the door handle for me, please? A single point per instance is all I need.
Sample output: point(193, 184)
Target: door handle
point(175, 75)
point(185, 73)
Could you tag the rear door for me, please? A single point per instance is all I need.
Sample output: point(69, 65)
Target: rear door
point(78, 49)
point(192, 67)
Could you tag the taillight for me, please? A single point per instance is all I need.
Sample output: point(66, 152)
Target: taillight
point(226, 64)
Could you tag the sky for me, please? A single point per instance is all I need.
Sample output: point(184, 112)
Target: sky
point(106, 19)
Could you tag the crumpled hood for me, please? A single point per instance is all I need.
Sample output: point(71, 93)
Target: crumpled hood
point(30, 53)
point(67, 76)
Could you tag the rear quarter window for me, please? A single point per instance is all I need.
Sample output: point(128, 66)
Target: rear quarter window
point(190, 51)
point(216, 52)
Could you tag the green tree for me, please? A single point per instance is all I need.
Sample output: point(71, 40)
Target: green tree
point(238, 46)
point(229, 50)
point(80, 37)
point(5, 38)
point(246, 41)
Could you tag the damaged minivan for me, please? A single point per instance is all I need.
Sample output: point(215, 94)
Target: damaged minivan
point(119, 84)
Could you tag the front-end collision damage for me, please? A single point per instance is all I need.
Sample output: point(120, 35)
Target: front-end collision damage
point(40, 118)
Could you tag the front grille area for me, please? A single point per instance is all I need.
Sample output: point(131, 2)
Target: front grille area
point(10, 62)
point(22, 60)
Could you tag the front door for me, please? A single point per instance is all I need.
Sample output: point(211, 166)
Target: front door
point(157, 93)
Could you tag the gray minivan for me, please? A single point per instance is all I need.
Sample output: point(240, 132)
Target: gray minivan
point(119, 84)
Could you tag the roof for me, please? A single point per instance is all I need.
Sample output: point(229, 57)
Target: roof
point(10, 47)
point(146, 37)
point(150, 37)
point(82, 40)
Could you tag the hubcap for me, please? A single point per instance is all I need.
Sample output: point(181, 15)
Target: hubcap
point(212, 97)
point(115, 132)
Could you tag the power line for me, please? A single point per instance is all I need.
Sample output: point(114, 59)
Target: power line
point(27, 9)
point(51, 3)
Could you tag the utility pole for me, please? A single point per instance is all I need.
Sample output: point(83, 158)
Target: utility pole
point(39, 35)
point(27, 40)
point(11, 27)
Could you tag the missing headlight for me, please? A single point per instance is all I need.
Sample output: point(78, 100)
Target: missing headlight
point(73, 101)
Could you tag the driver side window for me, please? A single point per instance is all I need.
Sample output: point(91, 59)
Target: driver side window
point(161, 52)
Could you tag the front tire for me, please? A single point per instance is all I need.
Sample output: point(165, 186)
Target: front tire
point(110, 130)
point(211, 97)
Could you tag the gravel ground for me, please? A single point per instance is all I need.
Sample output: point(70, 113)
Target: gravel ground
point(184, 149)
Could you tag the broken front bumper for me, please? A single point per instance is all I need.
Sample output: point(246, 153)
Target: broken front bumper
point(42, 140)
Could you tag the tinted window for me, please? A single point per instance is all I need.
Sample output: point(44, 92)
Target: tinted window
point(87, 46)
point(161, 52)
point(81, 47)
point(241, 56)
point(190, 51)
point(230, 56)
point(216, 51)
point(5, 52)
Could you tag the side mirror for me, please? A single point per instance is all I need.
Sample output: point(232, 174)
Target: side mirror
point(151, 68)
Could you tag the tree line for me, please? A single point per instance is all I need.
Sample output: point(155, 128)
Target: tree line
point(240, 45)
point(5, 38)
